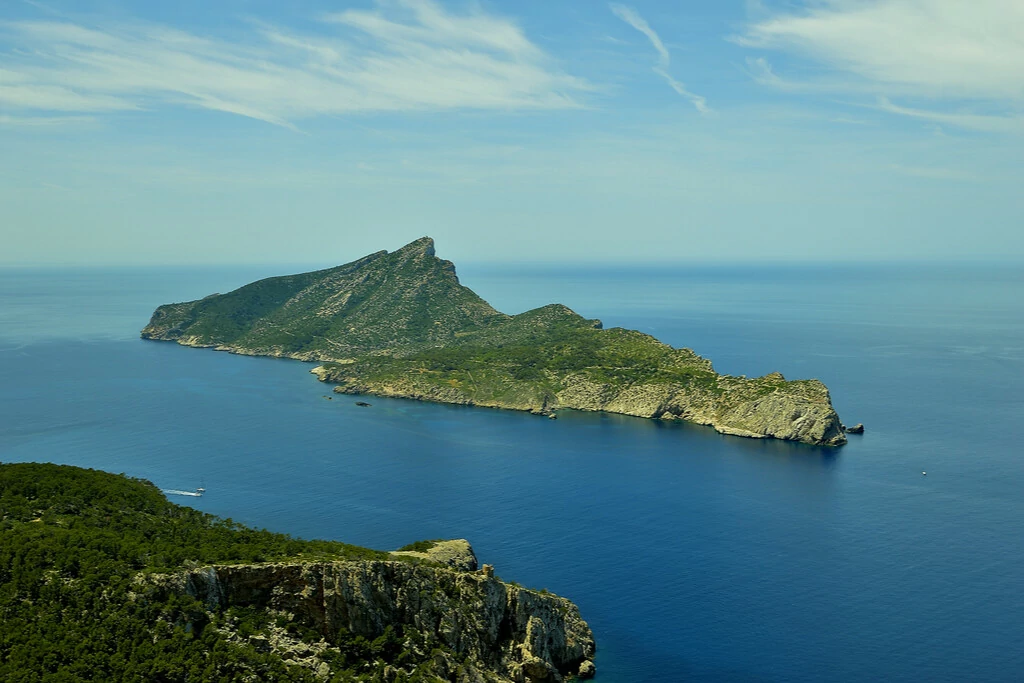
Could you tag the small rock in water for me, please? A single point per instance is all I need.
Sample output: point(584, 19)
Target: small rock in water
point(587, 669)
point(363, 404)
point(855, 429)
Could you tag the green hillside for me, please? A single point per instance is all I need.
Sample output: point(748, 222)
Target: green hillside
point(73, 541)
point(402, 300)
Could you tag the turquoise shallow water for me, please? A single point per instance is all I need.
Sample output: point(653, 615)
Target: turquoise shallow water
point(694, 556)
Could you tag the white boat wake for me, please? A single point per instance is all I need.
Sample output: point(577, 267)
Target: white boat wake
point(177, 492)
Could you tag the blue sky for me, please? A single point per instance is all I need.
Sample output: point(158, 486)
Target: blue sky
point(254, 131)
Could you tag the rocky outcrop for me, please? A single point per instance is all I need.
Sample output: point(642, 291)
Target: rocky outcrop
point(457, 554)
point(758, 408)
point(471, 625)
point(855, 429)
point(764, 407)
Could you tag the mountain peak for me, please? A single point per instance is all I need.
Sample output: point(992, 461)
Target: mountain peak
point(399, 301)
point(423, 246)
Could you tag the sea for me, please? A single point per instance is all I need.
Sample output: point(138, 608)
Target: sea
point(693, 556)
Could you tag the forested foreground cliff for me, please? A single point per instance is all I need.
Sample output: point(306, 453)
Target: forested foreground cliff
point(103, 579)
point(400, 324)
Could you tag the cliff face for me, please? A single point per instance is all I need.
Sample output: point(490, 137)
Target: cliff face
point(755, 408)
point(763, 407)
point(317, 611)
point(479, 628)
point(401, 325)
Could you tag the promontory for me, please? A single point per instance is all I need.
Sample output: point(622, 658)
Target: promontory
point(103, 579)
point(400, 324)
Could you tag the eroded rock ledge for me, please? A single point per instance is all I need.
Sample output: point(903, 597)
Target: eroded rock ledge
point(473, 626)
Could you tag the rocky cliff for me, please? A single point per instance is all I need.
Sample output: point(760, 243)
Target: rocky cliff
point(402, 325)
point(463, 626)
point(763, 407)
point(104, 579)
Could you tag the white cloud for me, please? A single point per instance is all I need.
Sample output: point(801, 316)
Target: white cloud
point(980, 122)
point(20, 91)
point(404, 55)
point(945, 51)
point(763, 73)
point(633, 18)
point(431, 25)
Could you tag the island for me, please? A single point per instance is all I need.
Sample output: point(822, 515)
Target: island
point(400, 324)
point(102, 578)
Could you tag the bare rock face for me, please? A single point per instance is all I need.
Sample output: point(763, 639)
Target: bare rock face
point(757, 408)
point(488, 630)
point(749, 407)
point(784, 416)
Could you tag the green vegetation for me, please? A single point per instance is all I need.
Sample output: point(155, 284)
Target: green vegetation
point(571, 347)
point(74, 543)
point(406, 299)
point(502, 365)
point(420, 546)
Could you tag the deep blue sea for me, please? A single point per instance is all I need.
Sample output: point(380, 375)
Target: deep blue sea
point(694, 556)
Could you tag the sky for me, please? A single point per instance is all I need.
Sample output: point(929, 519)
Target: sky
point(258, 131)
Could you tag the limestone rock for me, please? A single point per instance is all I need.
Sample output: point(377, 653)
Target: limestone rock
point(496, 632)
point(457, 554)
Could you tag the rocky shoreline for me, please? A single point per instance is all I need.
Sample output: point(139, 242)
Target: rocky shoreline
point(806, 416)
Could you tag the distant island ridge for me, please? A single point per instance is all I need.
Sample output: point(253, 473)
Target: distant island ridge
point(400, 324)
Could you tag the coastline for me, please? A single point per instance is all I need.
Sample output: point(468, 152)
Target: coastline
point(805, 417)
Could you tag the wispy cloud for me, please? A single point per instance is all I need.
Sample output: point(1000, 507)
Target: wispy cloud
point(19, 89)
point(403, 55)
point(980, 122)
point(633, 18)
point(948, 52)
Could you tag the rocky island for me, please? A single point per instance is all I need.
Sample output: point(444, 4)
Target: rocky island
point(102, 578)
point(400, 324)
